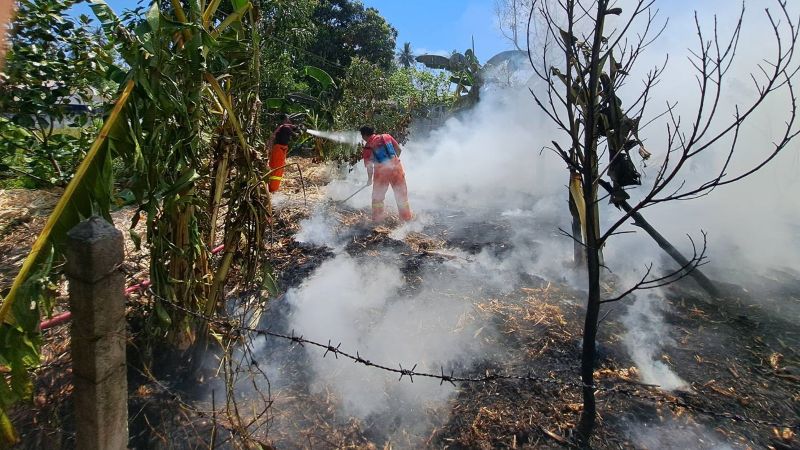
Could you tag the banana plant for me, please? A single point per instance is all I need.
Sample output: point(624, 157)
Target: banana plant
point(186, 116)
point(318, 103)
point(468, 74)
point(314, 108)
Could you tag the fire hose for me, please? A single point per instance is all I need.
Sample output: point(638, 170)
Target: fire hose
point(353, 194)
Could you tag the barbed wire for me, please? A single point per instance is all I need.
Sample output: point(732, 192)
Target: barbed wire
point(623, 388)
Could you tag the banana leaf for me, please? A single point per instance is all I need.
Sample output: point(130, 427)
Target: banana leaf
point(303, 98)
point(462, 81)
point(275, 103)
point(88, 193)
point(434, 61)
point(322, 77)
point(232, 18)
point(457, 61)
point(108, 20)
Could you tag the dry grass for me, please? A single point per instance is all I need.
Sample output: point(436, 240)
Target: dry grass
point(733, 364)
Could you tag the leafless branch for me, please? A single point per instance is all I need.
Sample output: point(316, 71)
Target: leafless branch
point(646, 283)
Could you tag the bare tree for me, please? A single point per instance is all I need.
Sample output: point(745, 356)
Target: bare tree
point(596, 49)
point(512, 17)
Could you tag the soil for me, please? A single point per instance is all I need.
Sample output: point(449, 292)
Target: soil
point(739, 355)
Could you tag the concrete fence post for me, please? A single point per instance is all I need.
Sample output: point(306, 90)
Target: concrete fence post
point(94, 253)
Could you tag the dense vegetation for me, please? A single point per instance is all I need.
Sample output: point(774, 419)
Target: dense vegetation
point(187, 135)
point(55, 62)
point(169, 109)
point(62, 70)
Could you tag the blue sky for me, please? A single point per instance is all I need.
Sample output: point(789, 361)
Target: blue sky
point(430, 25)
point(444, 25)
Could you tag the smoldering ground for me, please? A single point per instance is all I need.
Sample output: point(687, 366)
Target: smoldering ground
point(486, 167)
point(675, 435)
point(469, 183)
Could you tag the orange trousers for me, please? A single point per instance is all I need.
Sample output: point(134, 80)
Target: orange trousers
point(391, 174)
point(277, 161)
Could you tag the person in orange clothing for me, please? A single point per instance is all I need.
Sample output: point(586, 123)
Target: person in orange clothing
point(280, 147)
point(382, 157)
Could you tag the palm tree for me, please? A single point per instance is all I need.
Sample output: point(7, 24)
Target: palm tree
point(405, 57)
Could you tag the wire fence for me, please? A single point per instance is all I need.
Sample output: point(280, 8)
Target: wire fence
point(627, 388)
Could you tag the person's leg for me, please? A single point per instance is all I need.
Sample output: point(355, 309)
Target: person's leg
point(400, 190)
point(277, 161)
point(380, 184)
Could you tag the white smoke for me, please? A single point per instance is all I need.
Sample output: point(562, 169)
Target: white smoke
point(320, 230)
point(480, 168)
point(487, 157)
point(487, 165)
point(646, 337)
point(674, 435)
point(357, 302)
point(753, 222)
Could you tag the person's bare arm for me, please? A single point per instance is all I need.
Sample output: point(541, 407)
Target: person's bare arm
point(366, 155)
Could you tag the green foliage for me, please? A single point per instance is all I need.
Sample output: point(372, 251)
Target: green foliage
point(307, 46)
point(469, 75)
point(188, 135)
point(390, 102)
point(30, 297)
point(287, 29)
point(190, 115)
point(322, 77)
point(315, 103)
point(21, 346)
point(423, 89)
point(366, 96)
point(348, 30)
point(405, 57)
point(194, 113)
point(55, 60)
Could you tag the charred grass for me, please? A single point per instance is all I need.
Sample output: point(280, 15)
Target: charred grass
point(737, 354)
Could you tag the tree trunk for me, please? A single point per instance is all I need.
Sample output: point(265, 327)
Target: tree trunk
point(180, 267)
point(593, 255)
point(593, 262)
point(589, 414)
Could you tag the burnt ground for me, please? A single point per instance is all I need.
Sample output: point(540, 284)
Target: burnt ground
point(738, 353)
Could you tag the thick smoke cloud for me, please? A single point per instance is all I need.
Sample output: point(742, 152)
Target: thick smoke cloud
point(751, 223)
point(357, 302)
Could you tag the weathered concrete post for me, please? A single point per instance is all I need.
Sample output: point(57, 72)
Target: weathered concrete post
point(94, 252)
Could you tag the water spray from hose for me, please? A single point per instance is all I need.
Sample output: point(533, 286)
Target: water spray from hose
point(343, 137)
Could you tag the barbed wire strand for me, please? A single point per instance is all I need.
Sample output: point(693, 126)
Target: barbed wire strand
point(452, 378)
